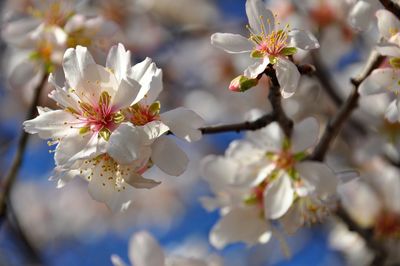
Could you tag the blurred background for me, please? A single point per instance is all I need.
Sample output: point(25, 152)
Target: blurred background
point(66, 227)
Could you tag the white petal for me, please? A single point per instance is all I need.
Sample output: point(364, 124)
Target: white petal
point(102, 188)
point(126, 93)
point(138, 181)
point(387, 23)
point(149, 77)
point(76, 147)
point(319, 176)
point(360, 202)
point(62, 96)
point(303, 39)
point(231, 43)
point(126, 143)
point(257, 14)
point(392, 113)
point(145, 251)
point(74, 63)
point(184, 123)
point(257, 68)
point(305, 134)
point(17, 32)
point(240, 225)
point(278, 197)
point(379, 80)
point(51, 124)
point(119, 61)
point(360, 15)
point(155, 129)
point(95, 80)
point(219, 170)
point(292, 220)
point(117, 261)
point(26, 76)
point(169, 157)
point(269, 138)
point(288, 76)
point(389, 50)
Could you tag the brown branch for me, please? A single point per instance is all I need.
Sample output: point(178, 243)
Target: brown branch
point(253, 125)
point(392, 7)
point(336, 123)
point(277, 113)
point(9, 179)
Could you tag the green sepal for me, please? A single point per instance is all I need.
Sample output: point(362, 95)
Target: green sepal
point(84, 130)
point(155, 108)
point(250, 200)
point(288, 51)
point(257, 54)
point(300, 156)
point(105, 134)
point(119, 117)
point(395, 62)
point(272, 59)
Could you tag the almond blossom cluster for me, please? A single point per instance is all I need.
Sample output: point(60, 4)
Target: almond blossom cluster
point(109, 128)
point(266, 179)
point(43, 30)
point(325, 149)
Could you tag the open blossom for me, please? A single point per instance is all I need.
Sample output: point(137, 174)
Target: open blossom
point(264, 178)
point(109, 128)
point(145, 251)
point(374, 201)
point(45, 30)
point(268, 44)
point(386, 78)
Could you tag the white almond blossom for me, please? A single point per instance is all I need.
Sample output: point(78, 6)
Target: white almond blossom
point(110, 129)
point(386, 78)
point(264, 178)
point(45, 30)
point(144, 250)
point(374, 201)
point(268, 44)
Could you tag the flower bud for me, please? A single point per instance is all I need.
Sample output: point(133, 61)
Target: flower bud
point(242, 84)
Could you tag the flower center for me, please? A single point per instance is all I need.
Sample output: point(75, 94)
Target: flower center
point(269, 43)
point(55, 13)
point(140, 115)
point(285, 160)
point(100, 118)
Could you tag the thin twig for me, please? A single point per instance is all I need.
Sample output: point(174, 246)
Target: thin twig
point(9, 179)
point(277, 113)
point(253, 125)
point(336, 123)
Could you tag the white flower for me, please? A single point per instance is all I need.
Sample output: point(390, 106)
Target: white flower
point(374, 201)
point(145, 251)
point(268, 45)
point(91, 104)
point(264, 178)
point(110, 127)
point(362, 14)
point(386, 79)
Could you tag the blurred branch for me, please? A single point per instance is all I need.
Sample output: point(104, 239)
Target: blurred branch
point(277, 113)
point(9, 179)
point(336, 123)
point(322, 74)
point(367, 234)
point(392, 7)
